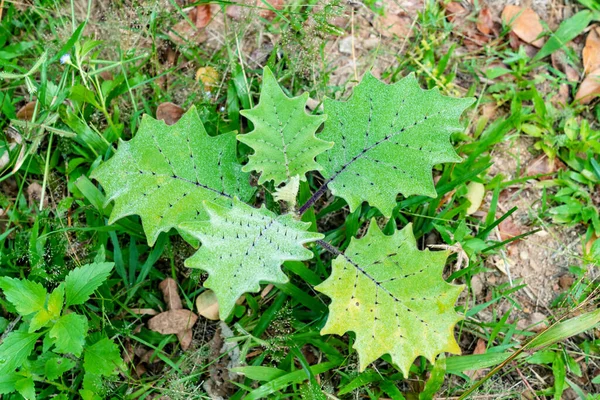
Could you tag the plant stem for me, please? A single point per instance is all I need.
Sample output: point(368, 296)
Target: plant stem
point(332, 249)
point(316, 196)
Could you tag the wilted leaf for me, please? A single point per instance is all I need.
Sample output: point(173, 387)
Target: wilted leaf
point(589, 88)
point(207, 305)
point(591, 51)
point(170, 292)
point(25, 113)
point(202, 15)
point(169, 112)
point(455, 10)
point(525, 23)
point(542, 165)
point(266, 11)
point(172, 321)
point(475, 193)
point(208, 76)
point(508, 229)
point(485, 23)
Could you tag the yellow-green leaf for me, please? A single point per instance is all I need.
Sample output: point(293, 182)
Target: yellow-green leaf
point(393, 297)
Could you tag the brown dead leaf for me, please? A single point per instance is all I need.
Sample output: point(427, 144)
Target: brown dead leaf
point(170, 292)
point(183, 32)
point(508, 229)
point(169, 112)
point(394, 24)
point(265, 11)
point(25, 113)
point(172, 321)
point(485, 23)
point(591, 51)
point(589, 88)
point(525, 23)
point(542, 165)
point(455, 10)
point(185, 338)
point(202, 15)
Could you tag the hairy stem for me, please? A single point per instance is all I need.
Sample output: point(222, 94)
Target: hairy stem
point(332, 249)
point(316, 196)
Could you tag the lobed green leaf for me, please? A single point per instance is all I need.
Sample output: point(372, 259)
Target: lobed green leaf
point(283, 138)
point(243, 246)
point(387, 139)
point(165, 173)
point(393, 297)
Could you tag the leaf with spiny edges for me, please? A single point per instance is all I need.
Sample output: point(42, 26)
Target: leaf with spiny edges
point(387, 139)
point(283, 138)
point(243, 246)
point(393, 297)
point(166, 171)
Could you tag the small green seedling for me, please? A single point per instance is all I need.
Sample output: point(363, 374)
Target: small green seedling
point(24, 360)
point(382, 142)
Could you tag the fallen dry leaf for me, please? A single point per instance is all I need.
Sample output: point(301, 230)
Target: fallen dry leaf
point(169, 112)
point(525, 23)
point(25, 113)
point(591, 51)
point(560, 62)
point(172, 321)
point(589, 88)
point(508, 229)
point(207, 305)
point(475, 194)
point(485, 23)
point(394, 24)
point(170, 292)
point(265, 11)
point(202, 15)
point(455, 10)
point(185, 338)
point(542, 165)
point(208, 76)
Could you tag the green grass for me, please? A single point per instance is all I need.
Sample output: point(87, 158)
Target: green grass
point(84, 108)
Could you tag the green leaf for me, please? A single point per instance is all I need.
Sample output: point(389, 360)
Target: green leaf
point(51, 311)
point(26, 388)
point(393, 297)
point(565, 329)
point(81, 282)
point(283, 138)
point(15, 349)
point(69, 333)
point(165, 173)
point(243, 246)
point(387, 139)
point(567, 31)
point(7, 382)
point(56, 366)
point(102, 358)
point(27, 297)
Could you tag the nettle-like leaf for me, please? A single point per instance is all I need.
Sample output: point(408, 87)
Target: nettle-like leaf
point(283, 138)
point(166, 172)
point(243, 246)
point(393, 297)
point(387, 139)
